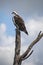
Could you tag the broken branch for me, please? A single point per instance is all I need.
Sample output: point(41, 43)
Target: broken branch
point(24, 55)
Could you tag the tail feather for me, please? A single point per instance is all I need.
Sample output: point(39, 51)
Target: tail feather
point(26, 32)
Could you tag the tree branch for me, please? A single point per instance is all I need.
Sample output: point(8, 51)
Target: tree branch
point(40, 35)
point(27, 55)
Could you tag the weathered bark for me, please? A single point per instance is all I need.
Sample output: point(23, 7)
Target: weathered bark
point(17, 48)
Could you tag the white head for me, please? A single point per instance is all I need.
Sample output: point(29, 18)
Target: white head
point(14, 12)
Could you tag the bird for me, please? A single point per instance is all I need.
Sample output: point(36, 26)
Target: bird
point(19, 22)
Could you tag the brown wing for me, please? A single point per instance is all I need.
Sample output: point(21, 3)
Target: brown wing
point(19, 21)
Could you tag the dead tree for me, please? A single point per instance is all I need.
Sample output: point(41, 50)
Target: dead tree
point(19, 58)
point(19, 23)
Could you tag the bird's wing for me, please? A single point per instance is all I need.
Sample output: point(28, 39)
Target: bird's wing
point(21, 23)
point(18, 20)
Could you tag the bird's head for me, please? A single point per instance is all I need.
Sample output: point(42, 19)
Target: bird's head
point(15, 13)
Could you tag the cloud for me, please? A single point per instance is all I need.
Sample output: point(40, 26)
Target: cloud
point(6, 46)
point(5, 39)
point(28, 63)
point(6, 55)
point(34, 25)
point(2, 28)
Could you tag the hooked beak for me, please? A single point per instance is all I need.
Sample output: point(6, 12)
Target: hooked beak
point(14, 13)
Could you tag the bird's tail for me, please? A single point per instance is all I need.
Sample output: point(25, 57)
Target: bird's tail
point(26, 32)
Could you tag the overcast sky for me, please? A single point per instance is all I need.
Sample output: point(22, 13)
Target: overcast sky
point(32, 13)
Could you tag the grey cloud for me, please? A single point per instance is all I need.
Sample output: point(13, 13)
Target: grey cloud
point(28, 7)
point(38, 63)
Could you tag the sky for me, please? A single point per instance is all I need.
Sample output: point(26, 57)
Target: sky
point(32, 13)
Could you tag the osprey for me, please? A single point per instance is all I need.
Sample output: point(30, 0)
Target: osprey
point(19, 22)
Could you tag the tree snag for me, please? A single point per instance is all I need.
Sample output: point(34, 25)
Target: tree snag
point(19, 58)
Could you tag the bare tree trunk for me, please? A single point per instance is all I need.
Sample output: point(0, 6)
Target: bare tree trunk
point(17, 48)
